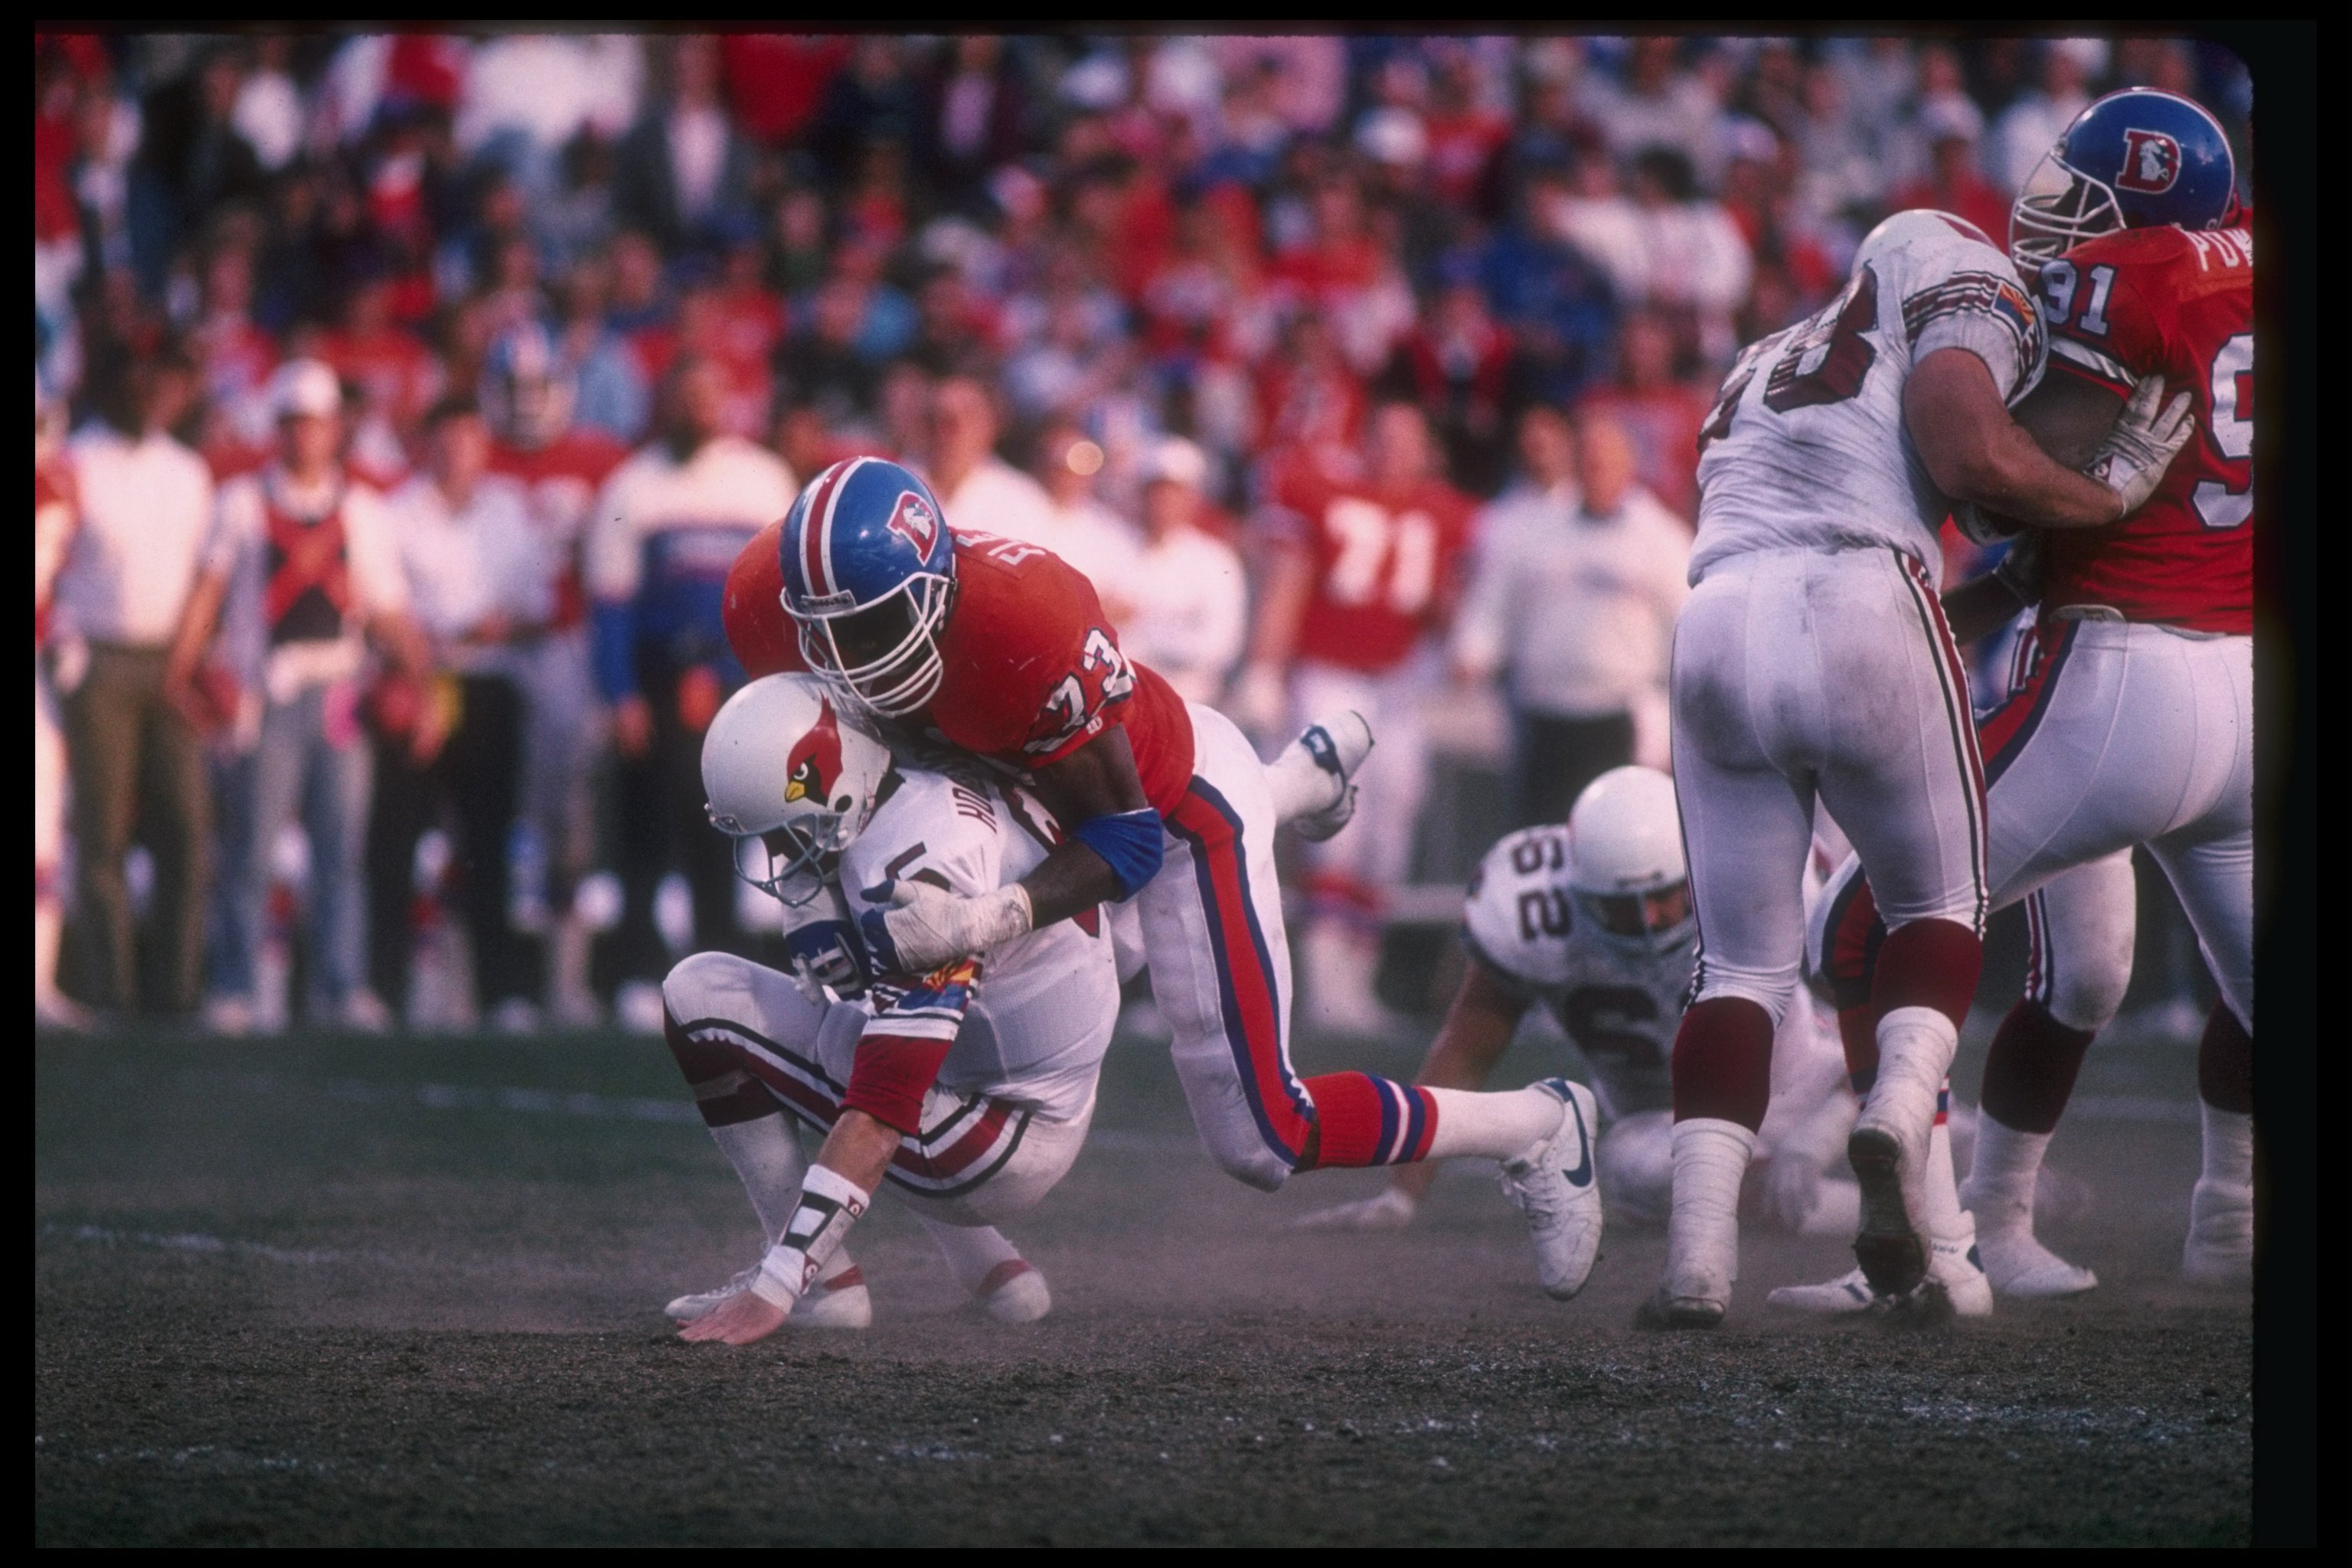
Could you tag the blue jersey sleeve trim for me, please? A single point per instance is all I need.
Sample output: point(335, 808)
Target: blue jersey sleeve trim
point(1130, 843)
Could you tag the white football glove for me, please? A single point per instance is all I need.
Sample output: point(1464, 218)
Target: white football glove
point(2132, 459)
point(924, 927)
point(1391, 1210)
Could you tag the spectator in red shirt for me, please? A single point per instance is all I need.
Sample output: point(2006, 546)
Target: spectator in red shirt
point(1463, 370)
point(1661, 412)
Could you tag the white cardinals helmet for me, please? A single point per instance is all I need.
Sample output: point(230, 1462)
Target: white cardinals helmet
point(792, 780)
point(1626, 869)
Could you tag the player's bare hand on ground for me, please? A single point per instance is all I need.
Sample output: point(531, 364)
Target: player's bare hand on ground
point(745, 1318)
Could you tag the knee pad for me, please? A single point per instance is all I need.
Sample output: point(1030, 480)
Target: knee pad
point(2079, 960)
point(1772, 989)
point(1636, 1159)
point(707, 985)
point(1240, 1153)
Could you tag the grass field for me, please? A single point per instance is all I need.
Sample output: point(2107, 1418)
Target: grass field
point(343, 1291)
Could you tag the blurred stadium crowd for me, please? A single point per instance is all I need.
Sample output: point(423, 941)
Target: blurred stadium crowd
point(358, 623)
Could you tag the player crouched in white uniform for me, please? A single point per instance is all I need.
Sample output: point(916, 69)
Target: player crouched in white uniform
point(971, 1101)
point(1592, 921)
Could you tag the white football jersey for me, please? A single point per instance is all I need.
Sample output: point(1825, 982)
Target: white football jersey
point(1030, 1019)
point(1806, 447)
point(1621, 1006)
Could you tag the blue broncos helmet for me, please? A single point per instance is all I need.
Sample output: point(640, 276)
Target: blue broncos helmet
point(2136, 159)
point(869, 576)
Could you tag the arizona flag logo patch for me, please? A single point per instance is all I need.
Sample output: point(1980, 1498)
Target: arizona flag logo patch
point(2151, 162)
point(916, 522)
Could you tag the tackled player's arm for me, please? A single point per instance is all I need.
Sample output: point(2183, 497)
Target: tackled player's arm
point(1975, 452)
point(2068, 418)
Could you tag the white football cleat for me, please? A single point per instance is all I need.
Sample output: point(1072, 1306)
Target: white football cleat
point(1956, 1283)
point(1556, 1186)
point(840, 1302)
point(2020, 1266)
point(1389, 1210)
point(2219, 1251)
point(1890, 1146)
point(1321, 765)
point(1014, 1292)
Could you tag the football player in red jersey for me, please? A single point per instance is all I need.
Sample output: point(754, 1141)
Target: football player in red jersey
point(1372, 547)
point(999, 649)
point(527, 394)
point(2130, 715)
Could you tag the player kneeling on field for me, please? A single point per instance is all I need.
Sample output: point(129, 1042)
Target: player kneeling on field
point(1593, 921)
point(972, 1106)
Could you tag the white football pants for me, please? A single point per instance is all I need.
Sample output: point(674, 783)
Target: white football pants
point(2119, 734)
point(1807, 675)
point(975, 1159)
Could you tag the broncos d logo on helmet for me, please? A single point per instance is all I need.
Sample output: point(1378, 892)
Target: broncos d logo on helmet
point(2151, 161)
point(916, 522)
point(813, 765)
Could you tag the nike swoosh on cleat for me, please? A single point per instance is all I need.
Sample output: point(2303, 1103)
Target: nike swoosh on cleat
point(1583, 1175)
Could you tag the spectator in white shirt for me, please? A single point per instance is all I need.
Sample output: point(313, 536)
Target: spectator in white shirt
point(2032, 123)
point(321, 574)
point(1574, 606)
point(666, 530)
point(1081, 529)
point(1189, 609)
point(146, 507)
point(978, 489)
point(479, 590)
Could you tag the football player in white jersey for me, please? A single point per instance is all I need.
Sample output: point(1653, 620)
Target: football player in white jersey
point(1592, 920)
point(1811, 664)
point(972, 1105)
point(969, 1088)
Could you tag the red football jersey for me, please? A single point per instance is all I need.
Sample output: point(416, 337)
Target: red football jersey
point(1033, 670)
point(2162, 302)
point(561, 479)
point(1384, 565)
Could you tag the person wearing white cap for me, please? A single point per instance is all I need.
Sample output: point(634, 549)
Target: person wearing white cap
point(145, 503)
point(319, 573)
point(1188, 598)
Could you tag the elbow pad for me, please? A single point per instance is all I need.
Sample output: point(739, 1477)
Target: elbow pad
point(1130, 842)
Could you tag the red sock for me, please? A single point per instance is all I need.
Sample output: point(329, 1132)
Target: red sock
point(2225, 1063)
point(1928, 964)
point(2031, 1069)
point(1361, 1119)
point(1723, 1061)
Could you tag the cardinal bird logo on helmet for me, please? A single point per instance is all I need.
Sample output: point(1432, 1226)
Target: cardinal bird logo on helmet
point(2151, 161)
point(815, 762)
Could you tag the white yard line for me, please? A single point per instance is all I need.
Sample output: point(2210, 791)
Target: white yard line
point(187, 1241)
